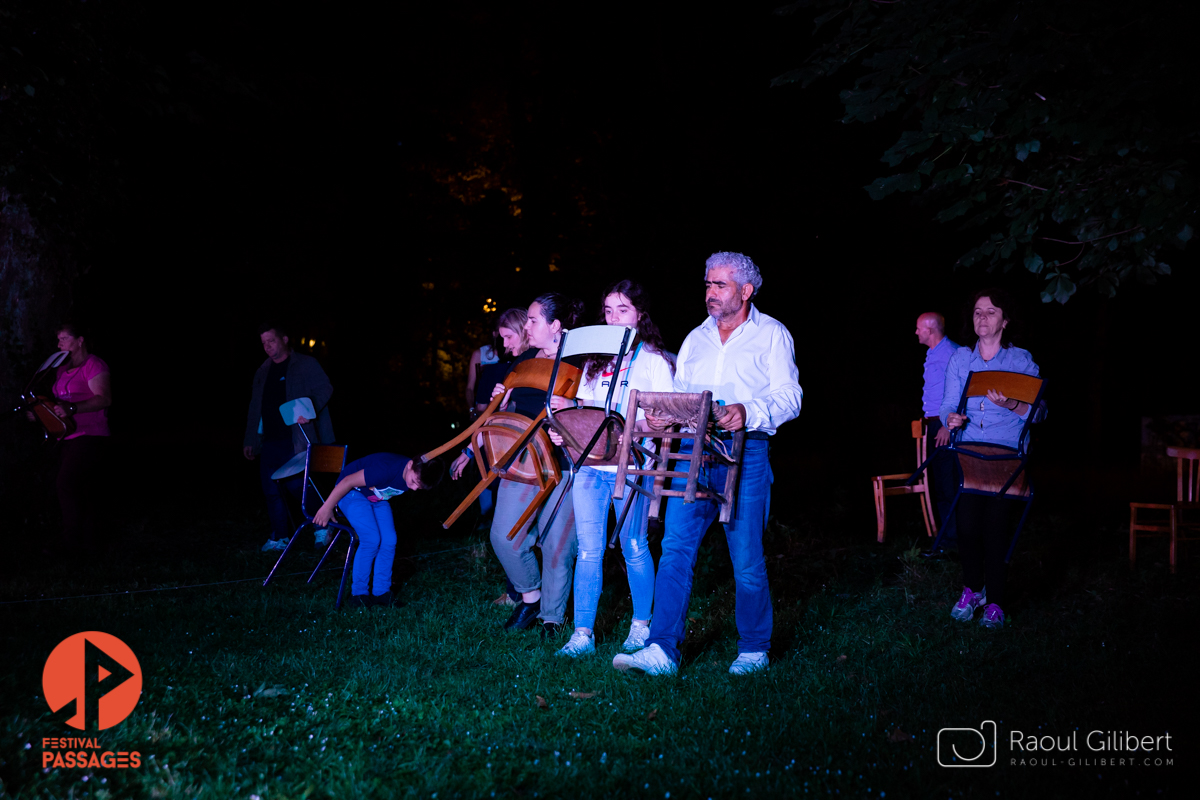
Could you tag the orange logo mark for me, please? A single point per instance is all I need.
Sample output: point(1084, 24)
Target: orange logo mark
point(93, 679)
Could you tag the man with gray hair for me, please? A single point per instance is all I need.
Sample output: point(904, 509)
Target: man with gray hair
point(748, 361)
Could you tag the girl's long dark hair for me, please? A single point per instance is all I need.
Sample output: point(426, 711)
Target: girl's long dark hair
point(647, 331)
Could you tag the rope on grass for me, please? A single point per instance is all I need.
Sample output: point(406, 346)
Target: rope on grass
point(206, 585)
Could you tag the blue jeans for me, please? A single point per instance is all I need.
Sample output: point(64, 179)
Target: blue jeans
point(593, 494)
point(686, 525)
point(376, 542)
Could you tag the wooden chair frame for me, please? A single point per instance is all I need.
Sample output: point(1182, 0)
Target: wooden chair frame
point(1187, 498)
point(882, 491)
point(658, 463)
point(494, 429)
point(979, 455)
point(322, 459)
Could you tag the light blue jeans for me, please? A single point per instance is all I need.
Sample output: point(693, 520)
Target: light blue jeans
point(593, 495)
point(376, 542)
point(686, 525)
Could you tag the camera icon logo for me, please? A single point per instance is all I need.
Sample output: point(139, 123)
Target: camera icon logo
point(972, 740)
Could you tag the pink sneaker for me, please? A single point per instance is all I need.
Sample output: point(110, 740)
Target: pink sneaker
point(964, 609)
point(993, 617)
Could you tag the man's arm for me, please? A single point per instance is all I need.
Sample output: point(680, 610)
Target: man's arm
point(782, 403)
point(251, 441)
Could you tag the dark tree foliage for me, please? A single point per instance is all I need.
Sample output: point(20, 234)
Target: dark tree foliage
point(1064, 129)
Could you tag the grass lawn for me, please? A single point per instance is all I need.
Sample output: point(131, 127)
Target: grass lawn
point(268, 693)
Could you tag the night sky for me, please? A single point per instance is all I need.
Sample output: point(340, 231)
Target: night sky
point(373, 175)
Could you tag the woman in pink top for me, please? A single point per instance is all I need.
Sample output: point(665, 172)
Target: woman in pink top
point(82, 392)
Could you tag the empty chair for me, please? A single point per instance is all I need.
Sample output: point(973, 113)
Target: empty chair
point(921, 487)
point(1187, 498)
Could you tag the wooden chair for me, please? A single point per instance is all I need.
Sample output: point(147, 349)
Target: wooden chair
point(685, 410)
point(1187, 498)
point(921, 487)
point(511, 445)
point(987, 468)
point(321, 459)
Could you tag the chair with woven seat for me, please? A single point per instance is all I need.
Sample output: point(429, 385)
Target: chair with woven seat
point(1187, 498)
point(882, 491)
point(685, 411)
point(988, 468)
point(321, 459)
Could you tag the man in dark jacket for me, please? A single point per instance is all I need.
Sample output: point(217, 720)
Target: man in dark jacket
point(283, 377)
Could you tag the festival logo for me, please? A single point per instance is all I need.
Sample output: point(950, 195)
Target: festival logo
point(92, 681)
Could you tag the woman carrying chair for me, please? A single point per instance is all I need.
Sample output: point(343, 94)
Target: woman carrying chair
point(544, 591)
point(983, 531)
point(646, 369)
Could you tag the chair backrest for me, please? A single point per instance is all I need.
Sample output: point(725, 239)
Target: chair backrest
point(536, 374)
point(918, 433)
point(322, 459)
point(1016, 385)
point(608, 340)
point(594, 339)
point(1187, 487)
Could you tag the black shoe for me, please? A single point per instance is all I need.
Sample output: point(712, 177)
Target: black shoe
point(551, 630)
point(524, 615)
point(359, 601)
point(386, 600)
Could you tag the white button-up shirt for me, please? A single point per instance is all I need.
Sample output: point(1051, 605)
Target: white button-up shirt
point(756, 367)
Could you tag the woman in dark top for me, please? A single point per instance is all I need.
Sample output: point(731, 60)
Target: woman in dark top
point(544, 591)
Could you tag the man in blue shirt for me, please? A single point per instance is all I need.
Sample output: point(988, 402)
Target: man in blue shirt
point(362, 491)
point(931, 332)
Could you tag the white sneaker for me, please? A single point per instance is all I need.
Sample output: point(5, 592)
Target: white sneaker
point(650, 660)
point(580, 644)
point(747, 663)
point(275, 544)
point(321, 538)
point(638, 634)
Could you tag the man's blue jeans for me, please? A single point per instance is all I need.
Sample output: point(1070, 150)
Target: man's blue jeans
point(376, 542)
point(273, 455)
point(686, 525)
point(592, 493)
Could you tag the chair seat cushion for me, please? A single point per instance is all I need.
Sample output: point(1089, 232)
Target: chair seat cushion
point(577, 426)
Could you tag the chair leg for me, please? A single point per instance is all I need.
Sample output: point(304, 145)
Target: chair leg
point(286, 550)
point(1020, 524)
point(1173, 538)
point(346, 571)
point(538, 499)
point(329, 549)
point(880, 512)
point(558, 505)
point(1132, 536)
point(471, 498)
point(931, 524)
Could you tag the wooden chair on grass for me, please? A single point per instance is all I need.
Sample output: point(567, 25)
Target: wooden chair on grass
point(693, 411)
point(511, 445)
point(321, 459)
point(1187, 498)
point(987, 468)
point(882, 491)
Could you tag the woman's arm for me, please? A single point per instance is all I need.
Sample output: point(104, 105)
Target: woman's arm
point(101, 398)
point(347, 484)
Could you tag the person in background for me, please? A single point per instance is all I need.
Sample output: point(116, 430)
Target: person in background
point(82, 392)
point(284, 376)
point(647, 370)
point(983, 531)
point(488, 354)
point(931, 332)
point(362, 493)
